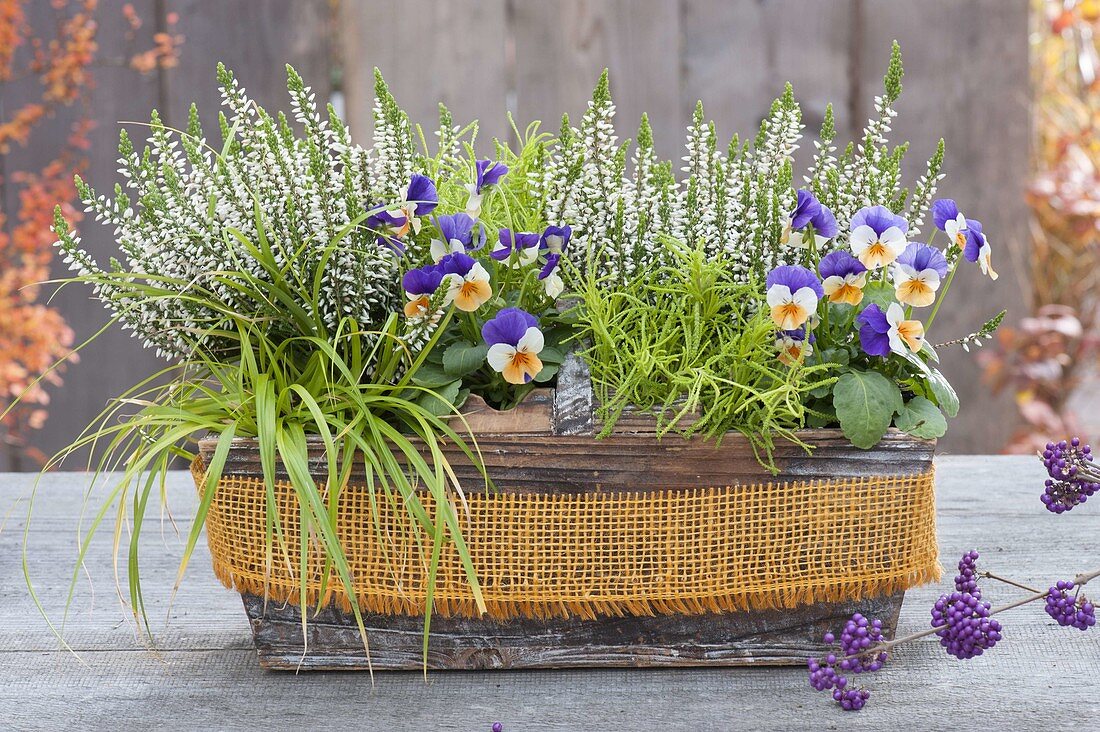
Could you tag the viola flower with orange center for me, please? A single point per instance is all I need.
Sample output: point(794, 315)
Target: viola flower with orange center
point(877, 236)
point(514, 342)
point(843, 277)
point(883, 333)
point(420, 285)
point(793, 294)
point(467, 282)
point(793, 346)
point(917, 274)
point(964, 233)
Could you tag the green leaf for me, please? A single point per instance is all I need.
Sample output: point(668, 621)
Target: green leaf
point(441, 401)
point(921, 418)
point(431, 375)
point(551, 355)
point(462, 358)
point(945, 394)
point(879, 293)
point(865, 403)
point(548, 372)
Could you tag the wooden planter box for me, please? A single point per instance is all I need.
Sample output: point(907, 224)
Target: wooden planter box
point(719, 563)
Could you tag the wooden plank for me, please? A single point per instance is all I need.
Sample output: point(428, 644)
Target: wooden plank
point(737, 54)
point(759, 638)
point(642, 462)
point(203, 677)
point(966, 81)
point(429, 52)
point(561, 46)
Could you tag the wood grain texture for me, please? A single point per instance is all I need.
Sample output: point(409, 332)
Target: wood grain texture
point(429, 52)
point(204, 673)
point(766, 637)
point(641, 461)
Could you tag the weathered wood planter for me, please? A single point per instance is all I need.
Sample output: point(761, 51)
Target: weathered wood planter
point(621, 551)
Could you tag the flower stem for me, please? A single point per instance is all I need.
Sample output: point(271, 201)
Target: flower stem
point(943, 294)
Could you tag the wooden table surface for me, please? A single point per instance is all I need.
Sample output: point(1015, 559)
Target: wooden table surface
point(203, 673)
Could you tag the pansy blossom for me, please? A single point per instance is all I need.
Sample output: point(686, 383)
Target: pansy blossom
point(881, 333)
point(486, 173)
point(556, 238)
point(467, 282)
point(843, 277)
point(809, 212)
point(794, 346)
point(793, 294)
point(551, 280)
point(877, 236)
point(420, 284)
point(514, 342)
point(418, 199)
point(917, 274)
point(524, 245)
point(964, 233)
point(455, 235)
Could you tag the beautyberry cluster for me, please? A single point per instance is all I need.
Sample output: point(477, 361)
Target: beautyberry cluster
point(859, 636)
point(963, 625)
point(1064, 606)
point(1072, 479)
point(966, 579)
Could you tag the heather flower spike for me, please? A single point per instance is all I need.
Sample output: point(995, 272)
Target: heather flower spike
point(917, 274)
point(514, 342)
point(877, 236)
point(793, 293)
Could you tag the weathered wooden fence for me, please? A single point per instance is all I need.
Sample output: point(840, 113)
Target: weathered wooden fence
point(967, 80)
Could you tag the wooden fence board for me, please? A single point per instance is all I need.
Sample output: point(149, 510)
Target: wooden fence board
point(966, 81)
point(429, 52)
point(563, 45)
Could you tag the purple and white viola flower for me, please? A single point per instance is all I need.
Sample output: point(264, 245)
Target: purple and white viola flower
point(551, 280)
point(917, 274)
point(809, 212)
point(964, 233)
point(467, 282)
point(882, 333)
point(419, 285)
point(514, 342)
point(487, 173)
point(456, 234)
point(556, 238)
point(843, 277)
point(419, 199)
point(523, 244)
point(793, 293)
point(793, 345)
point(877, 236)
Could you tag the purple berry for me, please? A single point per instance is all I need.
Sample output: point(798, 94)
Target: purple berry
point(859, 635)
point(965, 628)
point(1069, 609)
point(966, 580)
point(1072, 478)
point(498, 727)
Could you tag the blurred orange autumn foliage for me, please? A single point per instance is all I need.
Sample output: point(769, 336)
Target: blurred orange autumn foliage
point(59, 66)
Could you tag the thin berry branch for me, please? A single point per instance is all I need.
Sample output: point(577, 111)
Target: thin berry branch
point(1014, 583)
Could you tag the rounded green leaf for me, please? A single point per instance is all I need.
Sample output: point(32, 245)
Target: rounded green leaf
point(921, 418)
point(865, 403)
point(462, 358)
